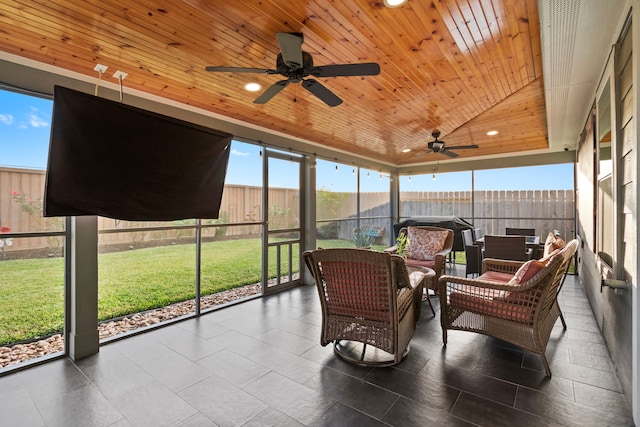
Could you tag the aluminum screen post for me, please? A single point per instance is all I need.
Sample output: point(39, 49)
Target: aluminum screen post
point(83, 325)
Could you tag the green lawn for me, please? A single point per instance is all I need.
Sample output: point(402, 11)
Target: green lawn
point(32, 290)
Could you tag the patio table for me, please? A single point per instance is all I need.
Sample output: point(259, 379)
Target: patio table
point(429, 274)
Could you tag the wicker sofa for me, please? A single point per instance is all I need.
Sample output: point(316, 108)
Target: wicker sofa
point(495, 304)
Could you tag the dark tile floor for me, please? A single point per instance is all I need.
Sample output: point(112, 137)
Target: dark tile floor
point(260, 364)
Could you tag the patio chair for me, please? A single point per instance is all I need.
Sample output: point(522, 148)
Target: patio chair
point(477, 234)
point(513, 301)
point(534, 251)
point(511, 231)
point(370, 303)
point(472, 253)
point(428, 247)
point(506, 247)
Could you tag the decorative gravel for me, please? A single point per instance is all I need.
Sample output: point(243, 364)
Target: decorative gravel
point(19, 353)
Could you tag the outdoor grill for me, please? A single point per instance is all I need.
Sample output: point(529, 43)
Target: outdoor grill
point(451, 222)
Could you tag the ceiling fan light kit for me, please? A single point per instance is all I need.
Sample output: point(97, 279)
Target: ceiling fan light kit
point(439, 146)
point(297, 66)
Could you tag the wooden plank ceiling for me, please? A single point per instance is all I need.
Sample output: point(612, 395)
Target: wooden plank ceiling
point(462, 67)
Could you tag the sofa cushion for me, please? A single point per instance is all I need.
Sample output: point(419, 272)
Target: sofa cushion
point(425, 244)
point(527, 271)
point(420, 263)
point(496, 276)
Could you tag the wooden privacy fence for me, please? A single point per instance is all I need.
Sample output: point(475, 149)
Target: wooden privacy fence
point(491, 210)
point(21, 192)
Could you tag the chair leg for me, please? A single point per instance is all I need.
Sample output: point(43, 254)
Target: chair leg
point(428, 298)
point(564, 324)
point(546, 364)
point(444, 336)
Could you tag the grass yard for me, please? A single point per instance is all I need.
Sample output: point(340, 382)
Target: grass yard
point(32, 290)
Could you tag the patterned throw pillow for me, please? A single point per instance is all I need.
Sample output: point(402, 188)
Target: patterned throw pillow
point(425, 244)
point(547, 258)
point(552, 243)
point(527, 271)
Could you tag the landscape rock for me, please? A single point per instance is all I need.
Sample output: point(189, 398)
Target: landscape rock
point(19, 353)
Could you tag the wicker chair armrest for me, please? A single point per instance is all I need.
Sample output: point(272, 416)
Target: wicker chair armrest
point(443, 253)
point(445, 280)
point(440, 260)
point(501, 265)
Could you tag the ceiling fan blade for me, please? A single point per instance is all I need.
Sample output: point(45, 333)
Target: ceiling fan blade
point(463, 147)
point(449, 153)
point(364, 69)
point(291, 48)
point(272, 91)
point(328, 97)
point(215, 69)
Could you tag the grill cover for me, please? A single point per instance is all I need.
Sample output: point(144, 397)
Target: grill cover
point(451, 222)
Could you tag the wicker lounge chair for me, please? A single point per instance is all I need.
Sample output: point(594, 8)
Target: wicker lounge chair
point(370, 303)
point(522, 314)
point(438, 261)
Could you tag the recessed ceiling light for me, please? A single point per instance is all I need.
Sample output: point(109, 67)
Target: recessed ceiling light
point(394, 3)
point(252, 87)
point(492, 132)
point(406, 150)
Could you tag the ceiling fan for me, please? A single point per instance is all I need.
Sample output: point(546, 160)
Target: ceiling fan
point(438, 146)
point(296, 65)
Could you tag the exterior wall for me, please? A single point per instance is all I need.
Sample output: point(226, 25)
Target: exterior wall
point(614, 311)
point(620, 329)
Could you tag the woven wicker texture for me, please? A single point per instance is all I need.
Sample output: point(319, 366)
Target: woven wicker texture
point(521, 314)
point(366, 296)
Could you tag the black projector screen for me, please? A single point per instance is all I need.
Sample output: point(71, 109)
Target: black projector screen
point(122, 162)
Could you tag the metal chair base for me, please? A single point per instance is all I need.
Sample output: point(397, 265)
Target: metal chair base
point(364, 355)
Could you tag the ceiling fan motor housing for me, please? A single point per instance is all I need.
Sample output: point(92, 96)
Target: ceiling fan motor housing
point(296, 65)
point(295, 74)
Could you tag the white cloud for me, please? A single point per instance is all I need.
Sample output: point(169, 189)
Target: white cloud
point(238, 153)
point(6, 119)
point(35, 120)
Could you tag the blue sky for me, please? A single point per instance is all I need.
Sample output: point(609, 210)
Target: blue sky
point(25, 123)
